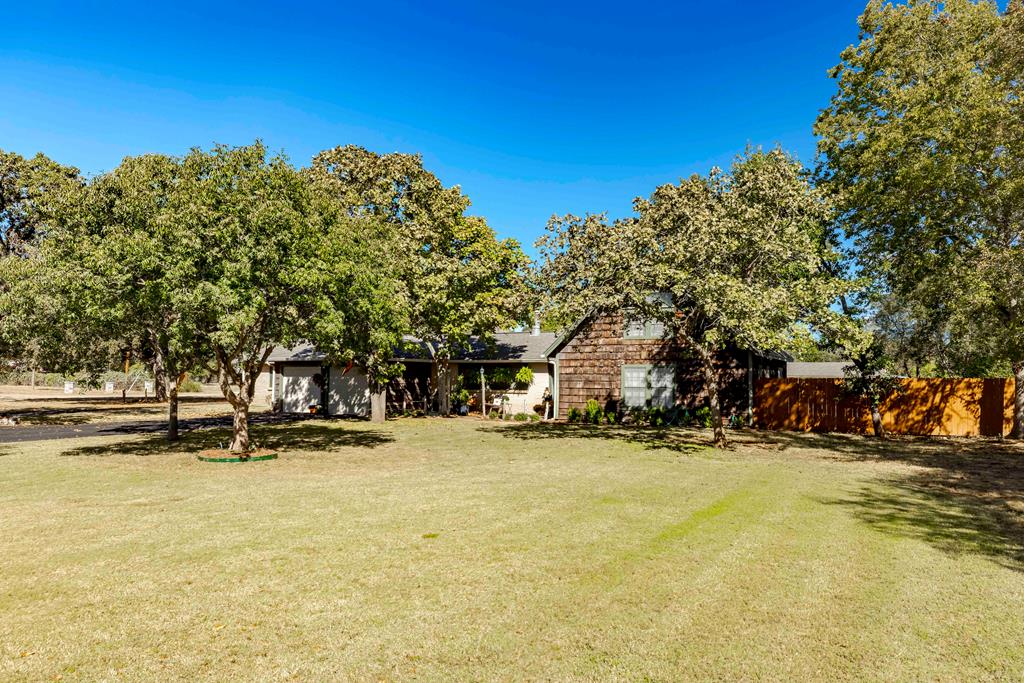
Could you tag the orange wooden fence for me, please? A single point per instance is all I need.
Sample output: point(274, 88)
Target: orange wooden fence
point(952, 407)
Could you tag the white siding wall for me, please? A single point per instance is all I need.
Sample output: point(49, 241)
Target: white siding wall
point(262, 393)
point(524, 401)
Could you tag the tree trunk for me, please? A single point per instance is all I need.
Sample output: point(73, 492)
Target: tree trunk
point(159, 375)
point(378, 404)
point(711, 384)
point(172, 411)
point(240, 425)
point(444, 386)
point(244, 379)
point(876, 420)
point(159, 383)
point(378, 395)
point(1017, 432)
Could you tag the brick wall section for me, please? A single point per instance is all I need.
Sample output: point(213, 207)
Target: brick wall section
point(590, 366)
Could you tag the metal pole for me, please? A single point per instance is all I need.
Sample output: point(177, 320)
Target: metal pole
point(483, 393)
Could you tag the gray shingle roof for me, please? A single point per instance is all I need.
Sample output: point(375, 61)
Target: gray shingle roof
point(511, 346)
point(517, 347)
point(302, 352)
point(823, 369)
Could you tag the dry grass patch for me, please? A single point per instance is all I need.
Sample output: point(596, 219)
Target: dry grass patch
point(455, 549)
point(47, 407)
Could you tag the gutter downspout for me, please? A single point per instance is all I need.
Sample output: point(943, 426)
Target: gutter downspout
point(325, 390)
point(555, 392)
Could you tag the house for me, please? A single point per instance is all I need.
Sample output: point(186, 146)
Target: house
point(603, 357)
point(299, 379)
point(625, 364)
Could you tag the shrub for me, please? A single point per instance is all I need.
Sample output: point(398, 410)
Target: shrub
point(190, 385)
point(704, 417)
point(610, 417)
point(523, 378)
point(534, 417)
point(594, 412)
point(469, 380)
point(575, 414)
point(494, 414)
point(656, 416)
point(521, 417)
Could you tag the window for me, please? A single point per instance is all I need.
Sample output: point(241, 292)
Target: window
point(643, 329)
point(662, 383)
point(647, 329)
point(648, 385)
point(634, 386)
point(634, 329)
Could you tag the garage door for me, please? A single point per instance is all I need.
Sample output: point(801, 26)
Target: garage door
point(298, 391)
point(349, 392)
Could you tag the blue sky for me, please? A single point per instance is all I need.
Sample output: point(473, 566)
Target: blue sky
point(533, 108)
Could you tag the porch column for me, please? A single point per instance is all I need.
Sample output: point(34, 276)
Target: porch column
point(273, 384)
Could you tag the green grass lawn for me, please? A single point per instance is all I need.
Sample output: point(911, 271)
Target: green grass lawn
point(461, 549)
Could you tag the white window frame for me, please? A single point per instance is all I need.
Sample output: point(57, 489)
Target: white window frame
point(651, 329)
point(649, 389)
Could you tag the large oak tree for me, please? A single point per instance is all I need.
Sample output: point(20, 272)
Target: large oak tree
point(461, 280)
point(250, 226)
point(740, 254)
point(922, 151)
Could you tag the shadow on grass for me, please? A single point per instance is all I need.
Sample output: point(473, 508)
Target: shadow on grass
point(961, 494)
point(321, 435)
point(674, 439)
point(932, 508)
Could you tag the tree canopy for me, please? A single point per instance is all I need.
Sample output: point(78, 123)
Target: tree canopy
point(740, 254)
point(460, 279)
point(922, 151)
point(130, 250)
point(30, 190)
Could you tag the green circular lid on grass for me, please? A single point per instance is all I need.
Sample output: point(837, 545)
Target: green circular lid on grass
point(228, 456)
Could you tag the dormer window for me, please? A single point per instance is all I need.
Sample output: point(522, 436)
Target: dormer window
point(643, 329)
point(647, 329)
